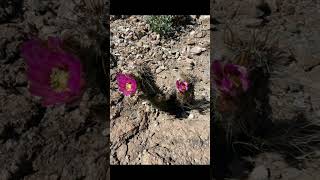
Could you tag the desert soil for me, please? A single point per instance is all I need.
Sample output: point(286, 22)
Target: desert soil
point(37, 142)
point(140, 133)
point(294, 79)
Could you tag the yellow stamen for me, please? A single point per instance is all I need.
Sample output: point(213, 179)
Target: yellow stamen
point(59, 79)
point(128, 86)
point(236, 81)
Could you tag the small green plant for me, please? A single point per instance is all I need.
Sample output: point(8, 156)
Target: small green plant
point(161, 24)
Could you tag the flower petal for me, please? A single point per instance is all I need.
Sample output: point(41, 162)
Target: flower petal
point(37, 89)
point(55, 43)
point(217, 69)
point(33, 52)
point(232, 69)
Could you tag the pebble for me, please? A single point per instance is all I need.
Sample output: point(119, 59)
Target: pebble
point(191, 116)
point(253, 22)
point(197, 50)
point(190, 67)
point(160, 69)
point(200, 34)
point(177, 55)
point(106, 132)
point(156, 42)
point(204, 17)
point(190, 42)
point(192, 33)
point(139, 43)
point(259, 173)
point(185, 50)
point(156, 124)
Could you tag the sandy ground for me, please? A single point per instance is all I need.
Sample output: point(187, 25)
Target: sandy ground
point(140, 133)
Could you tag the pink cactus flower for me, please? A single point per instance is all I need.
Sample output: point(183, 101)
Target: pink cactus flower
point(230, 78)
point(182, 86)
point(127, 84)
point(54, 74)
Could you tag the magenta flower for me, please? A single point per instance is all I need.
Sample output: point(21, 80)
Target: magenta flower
point(53, 74)
point(127, 84)
point(230, 78)
point(182, 86)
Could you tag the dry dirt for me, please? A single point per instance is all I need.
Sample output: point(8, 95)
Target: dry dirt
point(53, 143)
point(140, 133)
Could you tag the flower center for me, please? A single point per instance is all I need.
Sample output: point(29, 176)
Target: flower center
point(59, 79)
point(128, 86)
point(236, 81)
point(182, 86)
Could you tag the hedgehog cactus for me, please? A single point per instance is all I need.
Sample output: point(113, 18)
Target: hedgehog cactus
point(230, 79)
point(185, 89)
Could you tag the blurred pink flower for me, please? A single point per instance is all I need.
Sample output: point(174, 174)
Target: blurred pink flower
point(53, 74)
point(127, 84)
point(182, 86)
point(229, 78)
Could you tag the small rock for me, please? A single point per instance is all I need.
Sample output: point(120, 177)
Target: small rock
point(292, 27)
point(160, 69)
point(259, 173)
point(290, 10)
point(156, 42)
point(190, 42)
point(192, 33)
point(9, 10)
point(197, 50)
point(5, 174)
point(253, 22)
point(139, 43)
point(291, 173)
point(259, 13)
point(177, 55)
point(21, 78)
point(193, 16)
point(156, 124)
point(190, 68)
point(200, 34)
point(204, 18)
point(174, 51)
point(106, 132)
point(185, 51)
point(191, 116)
point(121, 151)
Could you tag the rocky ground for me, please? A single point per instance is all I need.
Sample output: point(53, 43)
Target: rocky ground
point(293, 85)
point(140, 133)
point(58, 142)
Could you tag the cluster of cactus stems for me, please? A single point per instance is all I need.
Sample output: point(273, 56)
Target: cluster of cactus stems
point(176, 102)
point(228, 82)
